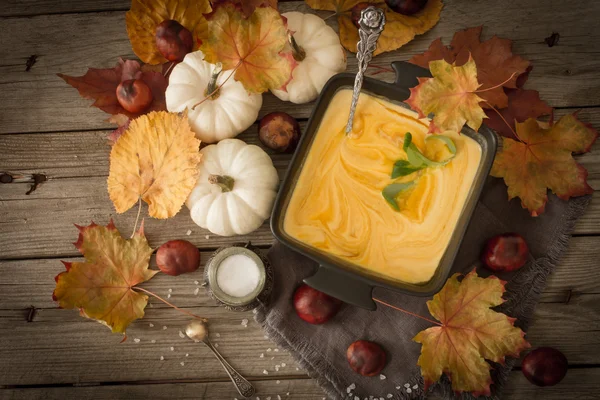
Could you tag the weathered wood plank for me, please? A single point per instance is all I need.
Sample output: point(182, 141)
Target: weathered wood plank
point(42, 344)
point(40, 101)
point(581, 384)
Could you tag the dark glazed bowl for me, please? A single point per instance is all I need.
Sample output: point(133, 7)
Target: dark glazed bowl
point(340, 278)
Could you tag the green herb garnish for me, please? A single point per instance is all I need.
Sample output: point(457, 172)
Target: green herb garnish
point(390, 192)
point(403, 168)
point(417, 159)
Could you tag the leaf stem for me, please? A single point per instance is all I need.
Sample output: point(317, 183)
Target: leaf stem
point(170, 304)
point(496, 86)
point(137, 218)
point(407, 312)
point(218, 87)
point(505, 121)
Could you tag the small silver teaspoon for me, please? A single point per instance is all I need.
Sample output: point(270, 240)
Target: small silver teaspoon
point(198, 331)
point(371, 22)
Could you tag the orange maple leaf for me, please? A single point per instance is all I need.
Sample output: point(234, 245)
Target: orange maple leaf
point(399, 29)
point(494, 59)
point(102, 286)
point(450, 95)
point(247, 6)
point(469, 334)
point(543, 160)
point(253, 46)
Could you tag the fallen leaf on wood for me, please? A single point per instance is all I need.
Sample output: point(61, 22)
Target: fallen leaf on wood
point(102, 286)
point(494, 59)
point(247, 6)
point(470, 333)
point(117, 133)
point(156, 160)
point(253, 46)
point(399, 29)
point(145, 15)
point(450, 96)
point(100, 85)
point(543, 160)
point(522, 105)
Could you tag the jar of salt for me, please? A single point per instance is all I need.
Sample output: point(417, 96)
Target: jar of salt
point(238, 277)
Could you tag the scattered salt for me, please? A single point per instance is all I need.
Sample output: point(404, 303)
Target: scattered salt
point(269, 349)
point(407, 385)
point(181, 335)
point(272, 358)
point(196, 282)
point(278, 382)
point(298, 369)
point(416, 387)
point(265, 372)
point(172, 348)
point(216, 345)
point(245, 323)
point(151, 325)
point(238, 275)
point(382, 376)
point(408, 390)
point(287, 394)
point(283, 364)
point(389, 396)
point(153, 341)
point(189, 232)
point(217, 334)
point(277, 368)
point(136, 340)
point(265, 336)
point(196, 291)
point(269, 398)
point(187, 354)
point(278, 397)
point(182, 363)
point(349, 388)
point(255, 311)
point(262, 355)
point(169, 296)
point(164, 327)
point(170, 290)
point(162, 358)
point(276, 349)
point(207, 237)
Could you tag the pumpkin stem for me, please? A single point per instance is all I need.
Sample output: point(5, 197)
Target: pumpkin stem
point(297, 51)
point(225, 182)
point(212, 90)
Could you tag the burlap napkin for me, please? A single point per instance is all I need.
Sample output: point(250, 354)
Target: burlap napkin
point(321, 349)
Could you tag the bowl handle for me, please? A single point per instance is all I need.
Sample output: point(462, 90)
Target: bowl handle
point(342, 286)
point(407, 74)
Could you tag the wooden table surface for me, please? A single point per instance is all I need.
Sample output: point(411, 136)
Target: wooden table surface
point(46, 128)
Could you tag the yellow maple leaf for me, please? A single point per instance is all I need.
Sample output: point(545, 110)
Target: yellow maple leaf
point(254, 46)
point(102, 286)
point(145, 15)
point(399, 29)
point(469, 334)
point(156, 160)
point(450, 95)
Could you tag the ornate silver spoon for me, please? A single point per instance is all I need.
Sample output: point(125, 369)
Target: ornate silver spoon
point(198, 331)
point(371, 22)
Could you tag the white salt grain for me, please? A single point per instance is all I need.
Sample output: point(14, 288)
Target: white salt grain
point(409, 390)
point(187, 354)
point(276, 349)
point(196, 282)
point(170, 290)
point(287, 394)
point(278, 382)
point(269, 349)
point(407, 385)
point(265, 372)
point(269, 398)
point(169, 296)
point(416, 387)
point(151, 325)
point(272, 358)
point(172, 348)
point(164, 327)
point(278, 397)
point(238, 275)
point(351, 387)
point(398, 387)
point(162, 358)
point(216, 345)
point(206, 237)
point(389, 396)
point(217, 334)
point(153, 341)
point(196, 291)
point(245, 323)
point(262, 355)
point(181, 335)
point(356, 398)
point(283, 364)
point(189, 232)
point(182, 363)
point(136, 340)
point(382, 376)
point(265, 336)
point(297, 369)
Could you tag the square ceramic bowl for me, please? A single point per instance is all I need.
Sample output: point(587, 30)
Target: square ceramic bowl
point(340, 278)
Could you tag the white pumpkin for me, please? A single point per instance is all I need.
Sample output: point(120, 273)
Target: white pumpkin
point(319, 54)
point(228, 113)
point(236, 188)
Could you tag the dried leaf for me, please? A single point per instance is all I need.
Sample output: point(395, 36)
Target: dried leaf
point(543, 160)
point(494, 59)
point(247, 6)
point(471, 333)
point(117, 133)
point(145, 15)
point(102, 286)
point(254, 46)
point(399, 29)
point(156, 159)
point(522, 104)
point(101, 86)
point(450, 96)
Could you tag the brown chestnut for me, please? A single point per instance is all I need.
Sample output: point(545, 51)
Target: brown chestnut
point(366, 358)
point(279, 131)
point(173, 40)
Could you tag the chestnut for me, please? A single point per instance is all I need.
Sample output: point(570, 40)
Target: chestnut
point(313, 306)
point(134, 95)
point(366, 358)
point(177, 257)
point(173, 40)
point(279, 131)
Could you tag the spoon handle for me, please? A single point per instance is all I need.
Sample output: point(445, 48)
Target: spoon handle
point(371, 22)
point(244, 387)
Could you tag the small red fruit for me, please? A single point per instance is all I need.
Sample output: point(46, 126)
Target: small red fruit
point(173, 40)
point(545, 366)
point(177, 257)
point(279, 131)
point(506, 252)
point(313, 306)
point(366, 358)
point(134, 95)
